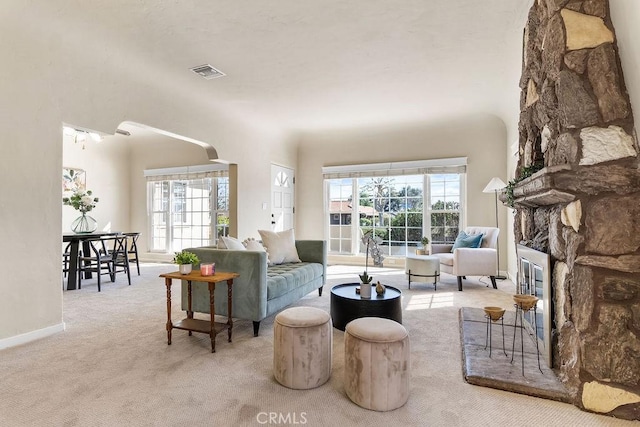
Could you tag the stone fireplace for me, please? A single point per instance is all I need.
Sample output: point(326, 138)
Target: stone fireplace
point(582, 206)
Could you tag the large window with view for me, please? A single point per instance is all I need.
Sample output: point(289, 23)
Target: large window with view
point(444, 196)
point(398, 209)
point(187, 212)
point(391, 208)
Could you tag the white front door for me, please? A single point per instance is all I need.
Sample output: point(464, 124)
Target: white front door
point(282, 181)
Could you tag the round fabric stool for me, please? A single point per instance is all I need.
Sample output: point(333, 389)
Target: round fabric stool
point(422, 268)
point(377, 363)
point(302, 341)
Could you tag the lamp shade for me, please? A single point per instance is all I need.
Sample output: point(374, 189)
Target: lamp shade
point(494, 185)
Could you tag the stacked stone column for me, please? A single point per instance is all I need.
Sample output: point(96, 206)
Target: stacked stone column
point(576, 121)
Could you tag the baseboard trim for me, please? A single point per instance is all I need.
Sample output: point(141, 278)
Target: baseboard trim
point(31, 336)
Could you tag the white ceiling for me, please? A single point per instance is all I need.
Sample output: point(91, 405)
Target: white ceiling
point(305, 65)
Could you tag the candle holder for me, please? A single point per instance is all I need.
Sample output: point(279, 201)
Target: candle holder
point(208, 269)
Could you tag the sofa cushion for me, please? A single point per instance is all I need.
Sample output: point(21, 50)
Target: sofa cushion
point(445, 258)
point(284, 278)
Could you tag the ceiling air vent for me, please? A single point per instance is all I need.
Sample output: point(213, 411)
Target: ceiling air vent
point(207, 71)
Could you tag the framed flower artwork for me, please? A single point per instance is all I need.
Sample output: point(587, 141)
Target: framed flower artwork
point(73, 180)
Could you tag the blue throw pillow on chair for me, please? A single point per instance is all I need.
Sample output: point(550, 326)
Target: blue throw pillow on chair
point(465, 240)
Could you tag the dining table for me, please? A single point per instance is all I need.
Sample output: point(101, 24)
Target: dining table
point(74, 252)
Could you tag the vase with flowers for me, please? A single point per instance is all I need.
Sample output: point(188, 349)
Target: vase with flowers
point(84, 202)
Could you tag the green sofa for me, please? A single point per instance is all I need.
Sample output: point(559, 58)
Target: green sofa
point(261, 290)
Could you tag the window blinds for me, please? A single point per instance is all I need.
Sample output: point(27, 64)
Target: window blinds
point(187, 172)
point(417, 167)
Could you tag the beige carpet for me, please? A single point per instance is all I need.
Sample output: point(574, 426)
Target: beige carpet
point(112, 367)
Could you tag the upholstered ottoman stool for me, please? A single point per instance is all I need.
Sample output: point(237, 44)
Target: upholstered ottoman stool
point(422, 268)
point(377, 363)
point(302, 341)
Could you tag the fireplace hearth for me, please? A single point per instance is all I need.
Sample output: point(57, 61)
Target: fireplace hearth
point(583, 207)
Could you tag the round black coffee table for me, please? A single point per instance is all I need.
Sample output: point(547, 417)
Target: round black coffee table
point(346, 305)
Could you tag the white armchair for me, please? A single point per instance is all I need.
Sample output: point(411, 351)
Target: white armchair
point(482, 261)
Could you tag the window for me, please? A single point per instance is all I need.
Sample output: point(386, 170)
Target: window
point(444, 207)
point(340, 211)
point(187, 210)
point(393, 206)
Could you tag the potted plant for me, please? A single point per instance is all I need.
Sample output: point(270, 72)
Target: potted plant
point(365, 278)
point(425, 246)
point(185, 261)
point(376, 254)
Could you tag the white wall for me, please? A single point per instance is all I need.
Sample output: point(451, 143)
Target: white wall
point(48, 81)
point(106, 165)
point(482, 139)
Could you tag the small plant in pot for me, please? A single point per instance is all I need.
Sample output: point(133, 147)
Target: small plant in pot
point(425, 246)
point(365, 278)
point(185, 261)
point(365, 286)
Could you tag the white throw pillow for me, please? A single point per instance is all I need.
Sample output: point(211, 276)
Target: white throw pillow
point(253, 245)
point(231, 243)
point(281, 246)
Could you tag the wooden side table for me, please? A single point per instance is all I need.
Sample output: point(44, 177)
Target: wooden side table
point(190, 324)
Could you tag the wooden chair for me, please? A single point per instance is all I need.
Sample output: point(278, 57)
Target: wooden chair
point(120, 255)
point(99, 261)
point(132, 248)
point(66, 260)
point(66, 256)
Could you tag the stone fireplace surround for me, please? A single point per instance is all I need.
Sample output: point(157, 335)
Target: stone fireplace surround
point(583, 207)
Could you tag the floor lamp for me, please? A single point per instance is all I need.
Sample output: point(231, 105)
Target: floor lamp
point(492, 187)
